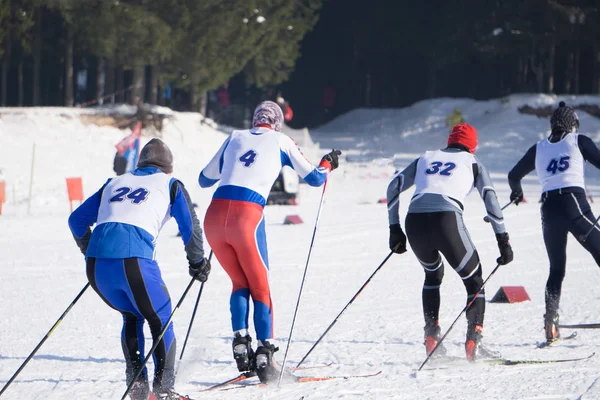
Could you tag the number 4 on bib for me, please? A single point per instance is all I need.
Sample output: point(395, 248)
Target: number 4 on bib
point(248, 158)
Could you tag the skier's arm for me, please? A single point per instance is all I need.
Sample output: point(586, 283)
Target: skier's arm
point(589, 150)
point(293, 157)
point(183, 211)
point(484, 185)
point(399, 184)
point(211, 174)
point(522, 168)
point(84, 217)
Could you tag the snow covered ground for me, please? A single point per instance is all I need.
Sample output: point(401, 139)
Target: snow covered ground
point(41, 269)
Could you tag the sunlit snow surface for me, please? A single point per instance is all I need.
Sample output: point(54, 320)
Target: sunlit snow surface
point(41, 269)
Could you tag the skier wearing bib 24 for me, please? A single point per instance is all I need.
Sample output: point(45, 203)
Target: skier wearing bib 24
point(559, 164)
point(434, 225)
point(246, 165)
point(129, 211)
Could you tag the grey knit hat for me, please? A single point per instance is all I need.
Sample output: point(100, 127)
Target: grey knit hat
point(156, 154)
point(564, 118)
point(268, 113)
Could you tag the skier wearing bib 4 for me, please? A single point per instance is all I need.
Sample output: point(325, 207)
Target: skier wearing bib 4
point(434, 225)
point(559, 164)
point(246, 166)
point(129, 211)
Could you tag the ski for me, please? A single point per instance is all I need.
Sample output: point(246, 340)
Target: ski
point(581, 326)
point(328, 378)
point(241, 377)
point(503, 361)
point(549, 343)
point(297, 379)
point(509, 362)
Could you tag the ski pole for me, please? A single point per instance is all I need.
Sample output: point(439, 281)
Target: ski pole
point(187, 335)
point(12, 378)
point(583, 238)
point(312, 241)
point(487, 219)
point(459, 315)
point(158, 339)
point(344, 309)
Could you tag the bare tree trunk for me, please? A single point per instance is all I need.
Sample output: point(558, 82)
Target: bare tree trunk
point(99, 79)
point(569, 72)
point(597, 69)
point(138, 84)
point(37, 58)
point(6, 65)
point(193, 91)
point(153, 84)
point(20, 83)
point(538, 70)
point(551, 60)
point(109, 81)
point(203, 99)
point(69, 69)
point(120, 80)
point(576, 71)
point(431, 78)
point(520, 75)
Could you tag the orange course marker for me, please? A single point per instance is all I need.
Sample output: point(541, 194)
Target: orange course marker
point(75, 189)
point(2, 194)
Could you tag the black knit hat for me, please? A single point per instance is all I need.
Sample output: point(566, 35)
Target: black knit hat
point(564, 119)
point(156, 154)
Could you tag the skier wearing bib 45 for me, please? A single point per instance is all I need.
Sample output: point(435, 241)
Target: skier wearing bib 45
point(434, 225)
point(129, 211)
point(559, 164)
point(246, 166)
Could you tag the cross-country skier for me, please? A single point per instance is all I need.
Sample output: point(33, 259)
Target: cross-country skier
point(559, 163)
point(434, 225)
point(247, 164)
point(129, 212)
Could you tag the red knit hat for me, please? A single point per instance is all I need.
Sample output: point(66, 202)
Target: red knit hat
point(465, 135)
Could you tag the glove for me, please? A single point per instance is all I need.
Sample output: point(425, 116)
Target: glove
point(516, 197)
point(84, 241)
point(200, 270)
point(397, 239)
point(506, 253)
point(330, 160)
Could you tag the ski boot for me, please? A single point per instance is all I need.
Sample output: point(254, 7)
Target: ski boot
point(140, 390)
point(243, 353)
point(474, 347)
point(265, 366)
point(432, 337)
point(551, 327)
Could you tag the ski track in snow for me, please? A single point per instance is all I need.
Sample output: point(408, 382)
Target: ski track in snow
point(42, 271)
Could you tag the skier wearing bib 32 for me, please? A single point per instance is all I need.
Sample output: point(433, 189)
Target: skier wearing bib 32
point(434, 225)
point(559, 164)
point(129, 211)
point(246, 165)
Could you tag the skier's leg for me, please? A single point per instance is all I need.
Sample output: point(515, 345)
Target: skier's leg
point(422, 241)
point(461, 254)
point(107, 278)
point(150, 296)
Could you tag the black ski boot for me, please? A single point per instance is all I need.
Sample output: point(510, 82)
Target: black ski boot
point(474, 347)
point(243, 353)
point(551, 327)
point(265, 367)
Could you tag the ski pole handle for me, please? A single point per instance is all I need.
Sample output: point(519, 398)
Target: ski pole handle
point(487, 219)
